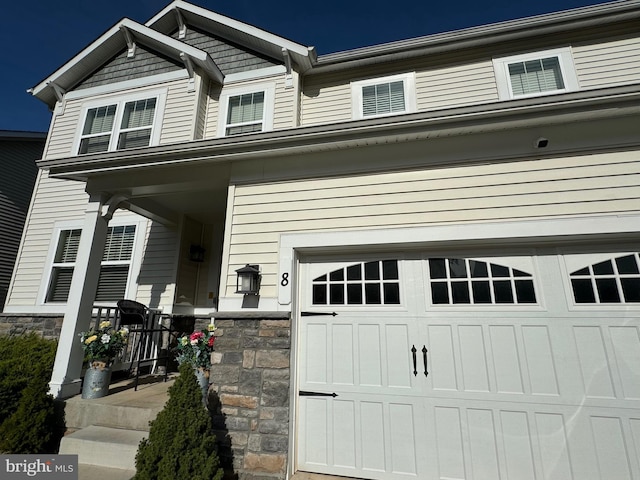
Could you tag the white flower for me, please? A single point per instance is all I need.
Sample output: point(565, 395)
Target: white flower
point(105, 338)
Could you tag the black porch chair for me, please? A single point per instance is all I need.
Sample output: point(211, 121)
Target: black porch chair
point(146, 328)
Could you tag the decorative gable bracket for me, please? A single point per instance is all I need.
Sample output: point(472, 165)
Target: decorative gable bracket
point(59, 93)
point(188, 64)
point(131, 44)
point(288, 76)
point(182, 26)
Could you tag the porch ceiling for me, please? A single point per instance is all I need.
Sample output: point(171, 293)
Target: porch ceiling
point(164, 194)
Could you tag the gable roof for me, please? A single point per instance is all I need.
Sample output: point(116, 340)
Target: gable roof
point(156, 35)
point(252, 37)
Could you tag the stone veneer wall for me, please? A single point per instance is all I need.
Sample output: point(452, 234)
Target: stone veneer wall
point(249, 394)
point(47, 326)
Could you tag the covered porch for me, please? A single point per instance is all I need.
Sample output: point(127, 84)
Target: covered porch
point(184, 207)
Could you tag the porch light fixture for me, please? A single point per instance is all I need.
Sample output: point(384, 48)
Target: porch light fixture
point(248, 282)
point(196, 253)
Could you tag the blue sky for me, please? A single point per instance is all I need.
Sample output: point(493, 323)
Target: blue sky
point(39, 36)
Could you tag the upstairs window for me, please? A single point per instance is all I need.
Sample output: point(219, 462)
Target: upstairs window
point(246, 110)
point(120, 125)
point(534, 74)
point(114, 270)
point(383, 96)
point(245, 113)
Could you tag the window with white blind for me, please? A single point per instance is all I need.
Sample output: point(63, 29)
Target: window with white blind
point(126, 123)
point(246, 110)
point(383, 96)
point(539, 73)
point(114, 271)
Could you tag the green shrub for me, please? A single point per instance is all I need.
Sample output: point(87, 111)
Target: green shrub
point(19, 358)
point(181, 442)
point(29, 419)
point(34, 426)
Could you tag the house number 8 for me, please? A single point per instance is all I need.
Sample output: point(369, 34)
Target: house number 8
point(285, 279)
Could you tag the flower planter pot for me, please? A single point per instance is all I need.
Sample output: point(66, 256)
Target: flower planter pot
point(202, 375)
point(96, 380)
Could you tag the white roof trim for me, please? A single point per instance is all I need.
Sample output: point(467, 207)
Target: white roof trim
point(145, 36)
point(235, 24)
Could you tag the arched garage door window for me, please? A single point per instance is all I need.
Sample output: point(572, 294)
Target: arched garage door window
point(459, 281)
point(611, 281)
point(368, 283)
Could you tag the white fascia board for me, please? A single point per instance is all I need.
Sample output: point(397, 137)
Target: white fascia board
point(146, 36)
point(235, 24)
point(255, 74)
point(80, 57)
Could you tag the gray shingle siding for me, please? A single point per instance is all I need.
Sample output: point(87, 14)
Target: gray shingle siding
point(146, 62)
point(230, 58)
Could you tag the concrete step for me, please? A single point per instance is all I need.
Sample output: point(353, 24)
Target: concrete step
point(113, 448)
point(124, 407)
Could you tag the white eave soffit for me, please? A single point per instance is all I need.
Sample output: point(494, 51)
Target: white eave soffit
point(125, 34)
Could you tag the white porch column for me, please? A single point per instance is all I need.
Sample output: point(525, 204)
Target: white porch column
point(65, 380)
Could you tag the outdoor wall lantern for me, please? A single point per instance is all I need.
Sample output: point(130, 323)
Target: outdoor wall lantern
point(196, 253)
point(248, 282)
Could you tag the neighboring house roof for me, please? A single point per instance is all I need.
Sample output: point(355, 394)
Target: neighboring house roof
point(21, 135)
point(155, 35)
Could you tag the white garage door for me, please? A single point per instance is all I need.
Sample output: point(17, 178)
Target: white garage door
point(459, 366)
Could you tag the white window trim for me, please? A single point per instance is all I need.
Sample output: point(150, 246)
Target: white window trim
point(567, 69)
point(134, 265)
point(269, 101)
point(409, 81)
point(120, 100)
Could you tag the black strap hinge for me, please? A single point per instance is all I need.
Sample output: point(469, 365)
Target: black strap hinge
point(304, 393)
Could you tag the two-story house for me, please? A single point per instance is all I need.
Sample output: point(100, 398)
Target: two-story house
point(446, 230)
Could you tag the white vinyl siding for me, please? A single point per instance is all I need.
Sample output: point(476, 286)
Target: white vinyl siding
point(63, 131)
point(156, 280)
point(456, 86)
point(608, 64)
point(581, 185)
point(326, 103)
